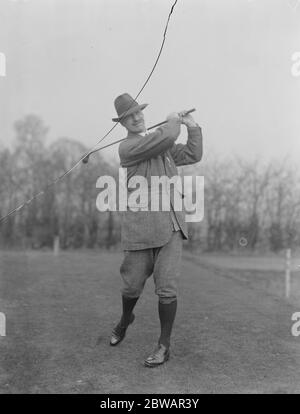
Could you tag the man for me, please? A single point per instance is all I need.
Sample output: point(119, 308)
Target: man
point(152, 240)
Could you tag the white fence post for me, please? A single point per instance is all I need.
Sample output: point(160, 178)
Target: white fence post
point(2, 324)
point(56, 246)
point(288, 273)
point(2, 64)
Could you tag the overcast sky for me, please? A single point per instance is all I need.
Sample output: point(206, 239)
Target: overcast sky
point(230, 59)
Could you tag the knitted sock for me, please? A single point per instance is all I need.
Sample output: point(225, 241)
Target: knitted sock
point(128, 305)
point(167, 314)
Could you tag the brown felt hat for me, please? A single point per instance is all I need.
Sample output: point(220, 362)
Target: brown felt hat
point(125, 105)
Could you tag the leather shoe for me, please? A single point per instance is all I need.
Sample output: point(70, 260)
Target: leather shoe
point(160, 355)
point(119, 332)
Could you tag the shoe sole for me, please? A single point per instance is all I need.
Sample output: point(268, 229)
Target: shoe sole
point(117, 343)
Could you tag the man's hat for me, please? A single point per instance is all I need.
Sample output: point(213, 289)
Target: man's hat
point(125, 105)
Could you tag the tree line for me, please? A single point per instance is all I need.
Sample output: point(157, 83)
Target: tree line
point(248, 204)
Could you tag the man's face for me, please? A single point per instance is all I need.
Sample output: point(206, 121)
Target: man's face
point(134, 123)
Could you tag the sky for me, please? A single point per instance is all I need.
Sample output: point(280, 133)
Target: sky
point(67, 60)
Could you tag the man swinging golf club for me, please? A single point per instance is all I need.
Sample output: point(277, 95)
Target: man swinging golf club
point(152, 240)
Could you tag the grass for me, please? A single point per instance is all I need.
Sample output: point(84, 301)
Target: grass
point(266, 273)
point(230, 335)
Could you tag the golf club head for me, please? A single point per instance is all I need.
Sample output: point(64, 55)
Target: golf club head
point(85, 160)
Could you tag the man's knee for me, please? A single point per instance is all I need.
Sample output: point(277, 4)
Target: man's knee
point(166, 291)
point(166, 300)
point(132, 292)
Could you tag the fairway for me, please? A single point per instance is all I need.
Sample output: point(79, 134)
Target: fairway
point(231, 334)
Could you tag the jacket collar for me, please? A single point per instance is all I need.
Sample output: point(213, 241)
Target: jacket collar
point(132, 135)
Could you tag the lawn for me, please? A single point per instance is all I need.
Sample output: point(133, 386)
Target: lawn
point(231, 334)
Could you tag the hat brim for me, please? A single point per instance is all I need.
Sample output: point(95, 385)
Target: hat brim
point(130, 111)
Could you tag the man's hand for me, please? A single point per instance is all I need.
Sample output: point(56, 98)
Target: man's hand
point(187, 120)
point(174, 115)
point(174, 123)
point(181, 117)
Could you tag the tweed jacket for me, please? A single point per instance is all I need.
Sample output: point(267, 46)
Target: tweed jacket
point(155, 154)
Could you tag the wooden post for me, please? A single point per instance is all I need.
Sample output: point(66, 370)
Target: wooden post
point(2, 64)
point(56, 246)
point(288, 273)
point(2, 324)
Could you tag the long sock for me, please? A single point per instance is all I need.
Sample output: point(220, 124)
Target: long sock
point(167, 314)
point(128, 305)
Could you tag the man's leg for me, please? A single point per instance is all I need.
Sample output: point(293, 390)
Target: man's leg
point(167, 312)
point(137, 266)
point(127, 318)
point(128, 305)
point(167, 264)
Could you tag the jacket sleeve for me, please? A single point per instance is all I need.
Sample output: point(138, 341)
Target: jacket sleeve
point(191, 152)
point(134, 151)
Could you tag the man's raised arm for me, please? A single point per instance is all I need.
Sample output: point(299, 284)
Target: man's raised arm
point(137, 149)
point(191, 152)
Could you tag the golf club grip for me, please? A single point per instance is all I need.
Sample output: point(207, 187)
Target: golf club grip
point(164, 122)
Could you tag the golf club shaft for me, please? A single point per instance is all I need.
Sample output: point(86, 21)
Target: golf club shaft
point(86, 158)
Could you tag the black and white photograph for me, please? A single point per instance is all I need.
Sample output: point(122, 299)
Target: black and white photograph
point(149, 199)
